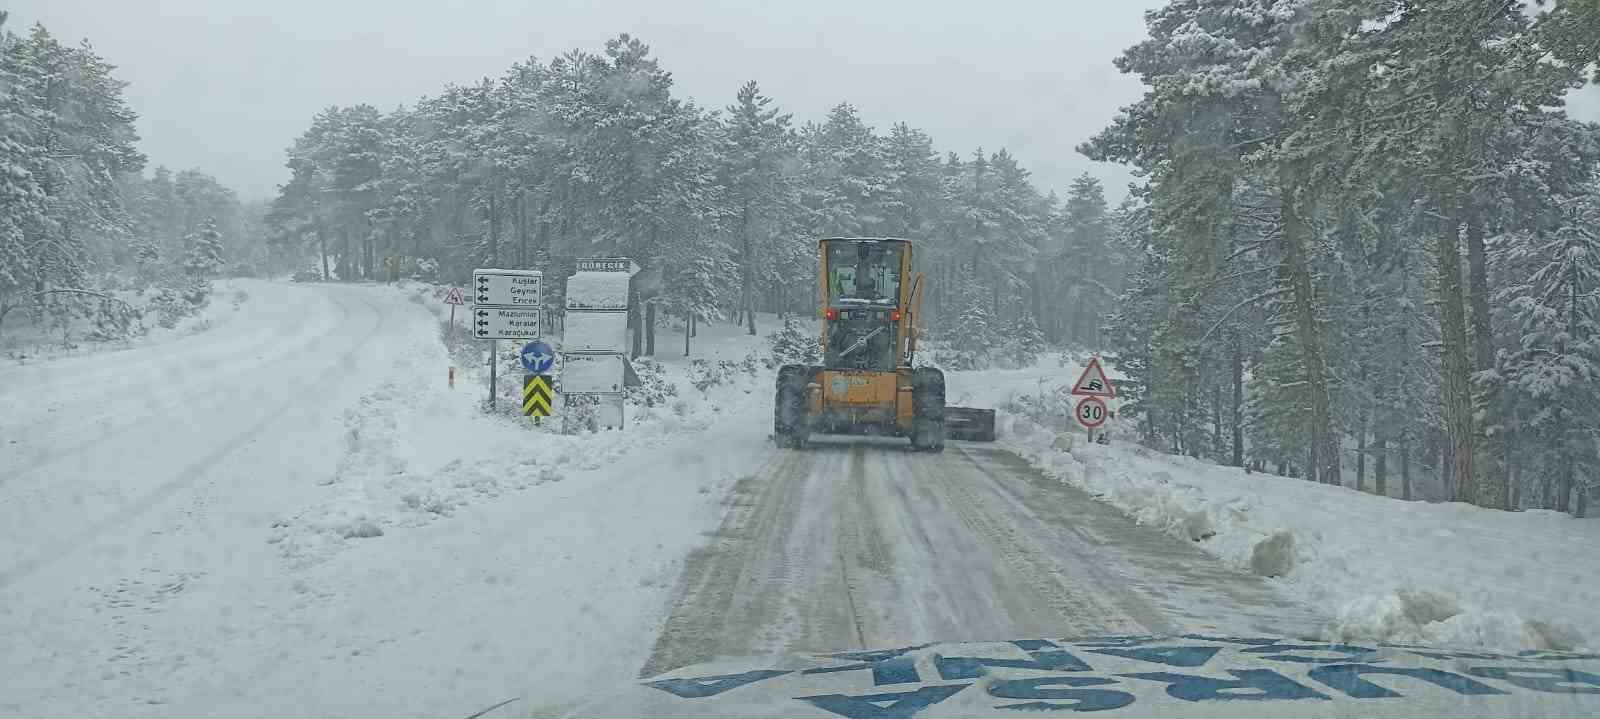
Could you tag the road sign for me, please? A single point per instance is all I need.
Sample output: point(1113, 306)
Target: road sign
point(1091, 412)
point(597, 291)
point(589, 373)
point(538, 357)
point(1094, 382)
point(508, 288)
point(536, 395)
point(608, 264)
point(500, 323)
point(587, 331)
point(454, 297)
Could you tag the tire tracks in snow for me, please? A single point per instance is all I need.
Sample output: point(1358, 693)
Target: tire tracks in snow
point(56, 550)
point(865, 544)
point(713, 575)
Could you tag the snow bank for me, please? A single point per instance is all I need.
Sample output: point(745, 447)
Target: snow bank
point(1447, 574)
point(392, 477)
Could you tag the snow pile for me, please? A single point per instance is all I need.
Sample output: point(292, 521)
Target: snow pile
point(392, 476)
point(1447, 574)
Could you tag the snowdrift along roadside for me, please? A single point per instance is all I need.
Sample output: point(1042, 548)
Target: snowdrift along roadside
point(1445, 574)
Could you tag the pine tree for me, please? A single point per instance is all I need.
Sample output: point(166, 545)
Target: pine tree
point(792, 345)
point(758, 140)
point(23, 209)
point(1552, 376)
point(204, 257)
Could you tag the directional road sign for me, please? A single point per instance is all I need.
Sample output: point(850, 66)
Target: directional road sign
point(499, 323)
point(589, 373)
point(608, 264)
point(1091, 412)
point(1094, 382)
point(538, 357)
point(536, 395)
point(508, 288)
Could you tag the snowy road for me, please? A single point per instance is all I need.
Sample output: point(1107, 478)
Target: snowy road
point(96, 442)
point(140, 480)
point(184, 532)
point(857, 544)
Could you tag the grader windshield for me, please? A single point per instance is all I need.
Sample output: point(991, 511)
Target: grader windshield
point(864, 272)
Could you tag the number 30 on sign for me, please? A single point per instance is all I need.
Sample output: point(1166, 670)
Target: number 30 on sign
point(1091, 412)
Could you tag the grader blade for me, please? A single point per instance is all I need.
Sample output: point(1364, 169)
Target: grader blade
point(967, 423)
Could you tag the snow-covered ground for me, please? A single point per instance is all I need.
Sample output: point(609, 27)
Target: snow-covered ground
point(1444, 573)
point(294, 514)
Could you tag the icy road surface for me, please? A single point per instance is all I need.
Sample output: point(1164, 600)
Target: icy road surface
point(861, 543)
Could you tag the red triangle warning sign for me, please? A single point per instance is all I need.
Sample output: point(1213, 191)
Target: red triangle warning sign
point(453, 297)
point(1094, 382)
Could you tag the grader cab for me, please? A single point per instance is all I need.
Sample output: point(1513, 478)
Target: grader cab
point(867, 384)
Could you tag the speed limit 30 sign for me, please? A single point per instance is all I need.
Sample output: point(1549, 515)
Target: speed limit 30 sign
point(1091, 412)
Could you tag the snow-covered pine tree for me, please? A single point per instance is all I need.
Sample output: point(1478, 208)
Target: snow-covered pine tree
point(791, 344)
point(23, 210)
point(758, 140)
point(1022, 342)
point(204, 257)
point(1552, 377)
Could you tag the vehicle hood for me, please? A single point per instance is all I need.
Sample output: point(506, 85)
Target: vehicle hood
point(1186, 676)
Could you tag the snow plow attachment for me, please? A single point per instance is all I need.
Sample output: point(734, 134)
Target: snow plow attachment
point(973, 425)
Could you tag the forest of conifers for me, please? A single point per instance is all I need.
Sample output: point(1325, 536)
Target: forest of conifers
point(1364, 242)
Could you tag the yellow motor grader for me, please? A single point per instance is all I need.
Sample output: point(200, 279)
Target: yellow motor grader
point(867, 384)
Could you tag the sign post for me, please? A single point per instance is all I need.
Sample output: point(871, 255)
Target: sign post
point(1094, 387)
point(594, 366)
point(455, 299)
point(507, 307)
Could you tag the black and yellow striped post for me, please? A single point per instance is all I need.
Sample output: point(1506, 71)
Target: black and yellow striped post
point(536, 395)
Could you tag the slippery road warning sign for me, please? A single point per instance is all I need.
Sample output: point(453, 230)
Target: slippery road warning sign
point(1094, 382)
point(536, 395)
point(454, 297)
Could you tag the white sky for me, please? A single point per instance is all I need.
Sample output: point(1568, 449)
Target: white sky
point(226, 85)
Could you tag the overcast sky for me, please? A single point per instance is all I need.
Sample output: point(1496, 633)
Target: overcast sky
point(226, 85)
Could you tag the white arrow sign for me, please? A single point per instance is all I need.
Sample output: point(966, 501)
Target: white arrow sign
point(514, 288)
point(500, 323)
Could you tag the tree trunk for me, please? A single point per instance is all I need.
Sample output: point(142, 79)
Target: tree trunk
point(1583, 504)
point(748, 296)
point(1323, 455)
point(637, 314)
point(650, 328)
point(1380, 464)
point(494, 227)
point(1456, 366)
point(688, 331)
point(1361, 451)
point(1513, 488)
point(1405, 469)
point(1216, 421)
point(344, 254)
point(1478, 288)
point(1564, 487)
point(322, 248)
point(1238, 403)
point(524, 252)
